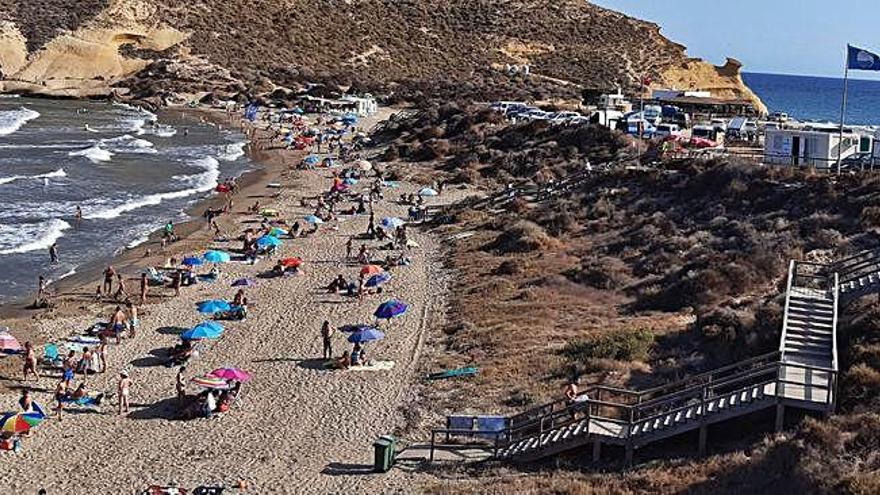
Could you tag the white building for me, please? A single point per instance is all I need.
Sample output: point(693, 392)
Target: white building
point(814, 146)
point(363, 106)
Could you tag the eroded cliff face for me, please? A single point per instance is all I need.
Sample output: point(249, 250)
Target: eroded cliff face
point(722, 81)
point(87, 60)
point(92, 47)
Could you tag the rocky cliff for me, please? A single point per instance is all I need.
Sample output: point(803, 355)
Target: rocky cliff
point(100, 46)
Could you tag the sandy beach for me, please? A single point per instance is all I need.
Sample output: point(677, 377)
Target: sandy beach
point(300, 428)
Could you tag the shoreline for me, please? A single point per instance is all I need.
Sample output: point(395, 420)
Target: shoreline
point(72, 292)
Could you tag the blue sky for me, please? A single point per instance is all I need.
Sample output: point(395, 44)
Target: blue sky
point(805, 37)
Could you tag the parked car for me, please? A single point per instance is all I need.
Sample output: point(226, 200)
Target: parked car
point(504, 106)
point(535, 115)
point(665, 130)
point(560, 117)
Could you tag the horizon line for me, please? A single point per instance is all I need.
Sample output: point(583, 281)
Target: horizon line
point(837, 78)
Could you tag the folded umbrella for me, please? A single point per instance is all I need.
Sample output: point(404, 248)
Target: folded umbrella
point(236, 374)
point(390, 309)
point(378, 279)
point(217, 257)
point(213, 306)
point(366, 335)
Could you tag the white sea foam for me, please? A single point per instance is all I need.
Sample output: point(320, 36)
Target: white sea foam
point(199, 183)
point(49, 175)
point(232, 152)
point(31, 237)
point(128, 144)
point(13, 120)
point(164, 131)
point(96, 154)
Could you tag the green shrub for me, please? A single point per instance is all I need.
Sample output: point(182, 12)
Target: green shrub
point(627, 345)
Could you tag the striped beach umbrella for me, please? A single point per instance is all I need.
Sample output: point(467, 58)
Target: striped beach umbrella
point(20, 422)
point(209, 381)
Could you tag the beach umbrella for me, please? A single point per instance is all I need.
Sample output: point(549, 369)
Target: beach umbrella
point(276, 232)
point(390, 309)
point(211, 325)
point(217, 257)
point(209, 381)
point(193, 261)
point(9, 344)
point(200, 332)
point(213, 306)
point(392, 222)
point(355, 328)
point(371, 269)
point(268, 240)
point(378, 279)
point(236, 374)
point(291, 262)
point(427, 192)
point(350, 118)
point(350, 181)
point(366, 335)
point(312, 219)
point(364, 165)
point(20, 422)
point(311, 160)
point(243, 282)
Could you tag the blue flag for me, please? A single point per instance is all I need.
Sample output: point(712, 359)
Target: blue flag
point(858, 59)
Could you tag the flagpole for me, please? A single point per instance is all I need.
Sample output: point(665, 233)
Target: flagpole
point(843, 111)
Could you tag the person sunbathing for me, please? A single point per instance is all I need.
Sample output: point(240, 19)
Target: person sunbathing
point(338, 284)
point(343, 362)
point(180, 353)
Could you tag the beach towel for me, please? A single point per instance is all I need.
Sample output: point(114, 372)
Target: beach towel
point(442, 375)
point(84, 339)
point(376, 366)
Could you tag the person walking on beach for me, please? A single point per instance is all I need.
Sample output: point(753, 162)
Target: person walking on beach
point(180, 383)
point(327, 337)
point(121, 293)
point(109, 273)
point(53, 253)
point(124, 389)
point(30, 361)
point(144, 288)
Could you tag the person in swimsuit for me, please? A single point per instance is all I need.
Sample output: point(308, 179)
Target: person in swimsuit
point(85, 363)
point(117, 323)
point(121, 293)
point(68, 366)
point(26, 401)
point(327, 337)
point(133, 321)
point(109, 273)
point(77, 217)
point(144, 287)
point(60, 396)
point(30, 361)
point(124, 390)
point(101, 354)
point(180, 384)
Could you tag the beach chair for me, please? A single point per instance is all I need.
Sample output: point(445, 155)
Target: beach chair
point(51, 356)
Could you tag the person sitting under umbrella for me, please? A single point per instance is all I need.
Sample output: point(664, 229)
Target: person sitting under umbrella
point(338, 284)
point(180, 353)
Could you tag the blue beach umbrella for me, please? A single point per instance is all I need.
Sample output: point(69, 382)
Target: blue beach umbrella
point(312, 160)
point(366, 335)
point(268, 240)
point(217, 257)
point(390, 309)
point(350, 118)
point(350, 181)
point(392, 222)
point(193, 261)
point(202, 332)
point(212, 325)
point(277, 231)
point(312, 219)
point(213, 306)
point(378, 279)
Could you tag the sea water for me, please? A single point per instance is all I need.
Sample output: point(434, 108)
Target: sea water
point(818, 98)
point(130, 172)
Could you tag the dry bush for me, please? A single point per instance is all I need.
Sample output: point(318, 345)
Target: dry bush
point(522, 237)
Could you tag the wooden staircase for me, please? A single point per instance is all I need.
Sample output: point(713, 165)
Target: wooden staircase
point(801, 374)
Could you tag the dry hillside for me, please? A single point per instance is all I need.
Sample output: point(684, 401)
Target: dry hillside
point(378, 44)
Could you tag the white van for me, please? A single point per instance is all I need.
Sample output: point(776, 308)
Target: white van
point(664, 130)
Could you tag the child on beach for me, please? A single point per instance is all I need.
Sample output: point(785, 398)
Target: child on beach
point(124, 389)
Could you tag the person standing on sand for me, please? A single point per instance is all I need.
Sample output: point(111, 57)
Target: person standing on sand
point(30, 361)
point(117, 323)
point(144, 288)
point(68, 366)
point(101, 354)
point(109, 273)
point(133, 321)
point(124, 389)
point(348, 246)
point(53, 253)
point(180, 383)
point(327, 337)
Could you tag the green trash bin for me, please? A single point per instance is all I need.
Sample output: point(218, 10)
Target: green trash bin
point(384, 453)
